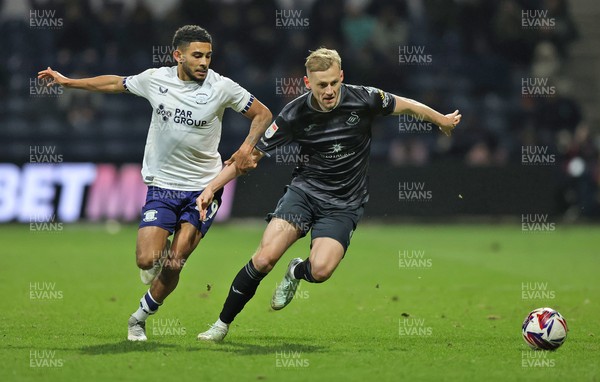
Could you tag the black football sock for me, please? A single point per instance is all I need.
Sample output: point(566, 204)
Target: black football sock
point(303, 272)
point(242, 289)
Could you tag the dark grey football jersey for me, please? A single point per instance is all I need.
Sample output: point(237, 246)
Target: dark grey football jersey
point(333, 147)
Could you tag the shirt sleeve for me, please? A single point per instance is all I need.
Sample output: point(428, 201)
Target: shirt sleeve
point(139, 84)
point(380, 102)
point(277, 135)
point(236, 97)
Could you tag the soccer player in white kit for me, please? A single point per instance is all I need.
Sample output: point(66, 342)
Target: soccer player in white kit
point(180, 157)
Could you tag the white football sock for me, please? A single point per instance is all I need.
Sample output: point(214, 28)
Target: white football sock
point(147, 307)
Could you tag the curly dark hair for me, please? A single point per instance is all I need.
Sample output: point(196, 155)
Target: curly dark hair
point(190, 33)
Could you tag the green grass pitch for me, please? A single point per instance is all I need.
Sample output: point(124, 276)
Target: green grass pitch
point(408, 303)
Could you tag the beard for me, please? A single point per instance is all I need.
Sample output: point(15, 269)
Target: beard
point(190, 73)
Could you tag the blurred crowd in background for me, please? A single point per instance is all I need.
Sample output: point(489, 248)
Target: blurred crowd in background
point(475, 56)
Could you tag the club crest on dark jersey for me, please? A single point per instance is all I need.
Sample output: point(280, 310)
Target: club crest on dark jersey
point(353, 120)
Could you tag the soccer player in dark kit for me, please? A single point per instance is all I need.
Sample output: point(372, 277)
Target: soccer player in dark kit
point(332, 126)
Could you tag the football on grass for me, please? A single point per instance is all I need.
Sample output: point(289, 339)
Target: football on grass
point(545, 329)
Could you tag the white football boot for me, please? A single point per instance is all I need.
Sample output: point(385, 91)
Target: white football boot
point(216, 333)
point(136, 330)
point(285, 291)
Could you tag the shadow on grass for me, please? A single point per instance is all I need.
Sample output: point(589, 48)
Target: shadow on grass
point(259, 345)
point(253, 346)
point(127, 347)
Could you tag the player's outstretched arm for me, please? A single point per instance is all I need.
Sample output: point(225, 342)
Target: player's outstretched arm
point(104, 84)
point(261, 118)
point(227, 174)
point(446, 123)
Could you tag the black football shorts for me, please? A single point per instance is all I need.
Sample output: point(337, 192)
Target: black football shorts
point(322, 219)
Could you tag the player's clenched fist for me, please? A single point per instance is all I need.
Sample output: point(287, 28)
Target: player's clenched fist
point(450, 122)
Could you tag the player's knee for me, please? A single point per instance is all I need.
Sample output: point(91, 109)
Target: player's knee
point(144, 260)
point(320, 275)
point(263, 262)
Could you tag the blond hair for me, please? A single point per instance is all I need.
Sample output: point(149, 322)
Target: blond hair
point(322, 59)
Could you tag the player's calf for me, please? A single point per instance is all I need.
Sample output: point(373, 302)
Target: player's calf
point(242, 289)
point(305, 270)
point(174, 263)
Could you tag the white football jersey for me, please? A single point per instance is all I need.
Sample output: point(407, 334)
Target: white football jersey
point(185, 130)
